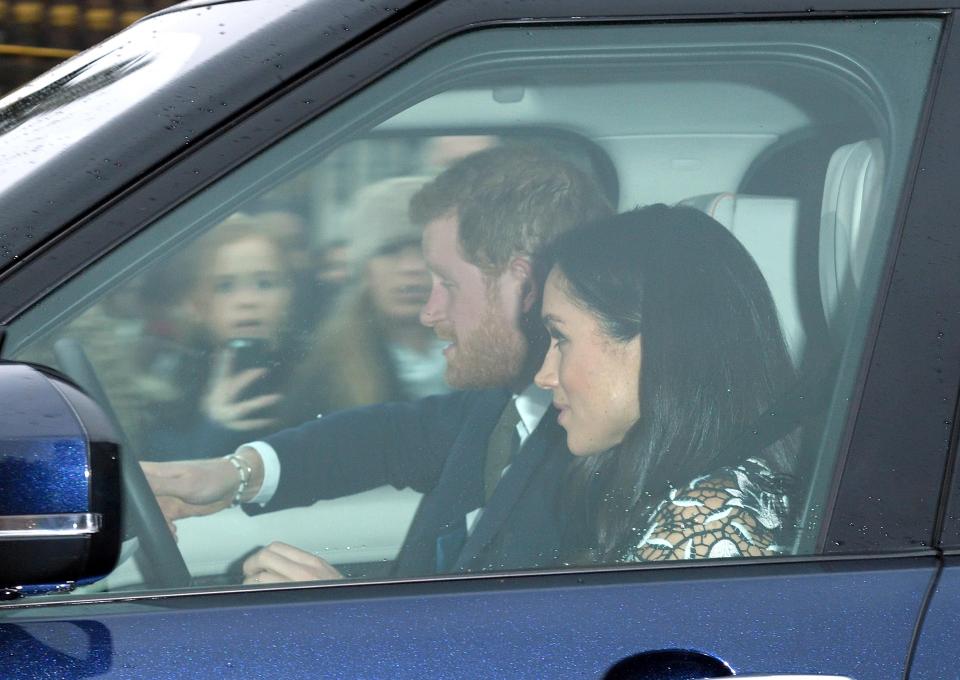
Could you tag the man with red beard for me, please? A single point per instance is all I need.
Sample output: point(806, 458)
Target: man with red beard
point(490, 457)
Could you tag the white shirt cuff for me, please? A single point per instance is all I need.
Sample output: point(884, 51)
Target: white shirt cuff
point(271, 471)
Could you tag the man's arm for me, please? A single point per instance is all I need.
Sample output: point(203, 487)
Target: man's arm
point(202, 487)
point(404, 444)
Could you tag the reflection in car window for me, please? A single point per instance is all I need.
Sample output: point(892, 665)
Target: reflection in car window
point(422, 364)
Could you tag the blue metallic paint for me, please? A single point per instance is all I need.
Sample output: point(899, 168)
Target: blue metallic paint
point(43, 476)
point(44, 457)
point(57, 456)
point(32, 408)
point(821, 619)
point(937, 655)
point(84, 657)
point(859, 622)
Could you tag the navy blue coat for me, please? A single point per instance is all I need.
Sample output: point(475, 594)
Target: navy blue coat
point(437, 446)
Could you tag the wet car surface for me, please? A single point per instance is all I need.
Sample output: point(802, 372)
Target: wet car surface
point(824, 138)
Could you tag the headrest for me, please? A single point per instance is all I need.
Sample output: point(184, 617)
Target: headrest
point(848, 218)
point(767, 227)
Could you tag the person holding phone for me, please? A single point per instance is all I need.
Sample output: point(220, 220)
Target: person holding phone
point(242, 304)
point(488, 456)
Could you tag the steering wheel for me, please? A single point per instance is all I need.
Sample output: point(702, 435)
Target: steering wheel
point(159, 559)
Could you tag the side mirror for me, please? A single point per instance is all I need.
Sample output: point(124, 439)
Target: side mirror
point(59, 484)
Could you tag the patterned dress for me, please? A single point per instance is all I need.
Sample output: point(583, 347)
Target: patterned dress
point(734, 512)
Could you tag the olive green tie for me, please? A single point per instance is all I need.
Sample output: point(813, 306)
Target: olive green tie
point(501, 446)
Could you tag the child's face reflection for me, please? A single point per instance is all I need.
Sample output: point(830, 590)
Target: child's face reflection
point(247, 292)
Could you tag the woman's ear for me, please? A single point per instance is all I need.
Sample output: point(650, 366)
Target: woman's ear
point(521, 268)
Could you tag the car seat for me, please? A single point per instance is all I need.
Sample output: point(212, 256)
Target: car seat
point(768, 228)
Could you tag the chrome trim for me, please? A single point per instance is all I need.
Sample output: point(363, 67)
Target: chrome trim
point(42, 526)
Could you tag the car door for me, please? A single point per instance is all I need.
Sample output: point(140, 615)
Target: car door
point(821, 140)
point(935, 654)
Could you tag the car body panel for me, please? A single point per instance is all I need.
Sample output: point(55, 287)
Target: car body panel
point(936, 649)
point(856, 615)
point(130, 210)
point(757, 619)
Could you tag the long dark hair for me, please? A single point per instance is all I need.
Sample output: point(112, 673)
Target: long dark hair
point(713, 359)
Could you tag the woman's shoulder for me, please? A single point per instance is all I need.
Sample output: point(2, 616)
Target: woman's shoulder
point(753, 478)
point(735, 511)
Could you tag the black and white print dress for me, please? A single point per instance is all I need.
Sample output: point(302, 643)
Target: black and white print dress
point(734, 512)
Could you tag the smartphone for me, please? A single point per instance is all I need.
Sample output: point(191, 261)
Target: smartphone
point(255, 353)
point(250, 353)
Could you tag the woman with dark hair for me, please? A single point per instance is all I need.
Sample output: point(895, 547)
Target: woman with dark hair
point(665, 349)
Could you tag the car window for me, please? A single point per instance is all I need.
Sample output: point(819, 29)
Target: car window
point(579, 408)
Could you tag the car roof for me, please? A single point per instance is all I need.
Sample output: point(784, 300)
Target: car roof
point(169, 80)
point(194, 4)
point(147, 94)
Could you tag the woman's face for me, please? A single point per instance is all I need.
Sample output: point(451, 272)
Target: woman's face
point(398, 282)
point(595, 379)
point(247, 292)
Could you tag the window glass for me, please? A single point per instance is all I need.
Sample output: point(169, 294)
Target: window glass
point(669, 383)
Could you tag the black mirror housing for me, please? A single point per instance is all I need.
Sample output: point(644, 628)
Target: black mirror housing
point(60, 494)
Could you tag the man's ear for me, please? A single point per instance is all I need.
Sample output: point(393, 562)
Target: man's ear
point(521, 269)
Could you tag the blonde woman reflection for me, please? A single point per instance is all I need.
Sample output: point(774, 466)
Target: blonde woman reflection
point(372, 347)
point(665, 346)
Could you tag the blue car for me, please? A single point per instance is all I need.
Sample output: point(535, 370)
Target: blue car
point(210, 245)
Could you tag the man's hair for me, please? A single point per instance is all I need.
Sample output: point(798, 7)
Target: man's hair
point(509, 200)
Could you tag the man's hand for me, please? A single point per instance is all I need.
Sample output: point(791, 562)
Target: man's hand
point(281, 563)
point(192, 488)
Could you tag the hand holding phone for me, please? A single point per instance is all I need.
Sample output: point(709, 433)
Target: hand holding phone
point(243, 390)
point(249, 353)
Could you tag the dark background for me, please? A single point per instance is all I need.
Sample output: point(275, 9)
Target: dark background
point(37, 34)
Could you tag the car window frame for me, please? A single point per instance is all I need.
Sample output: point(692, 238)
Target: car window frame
point(905, 319)
point(189, 174)
point(157, 132)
